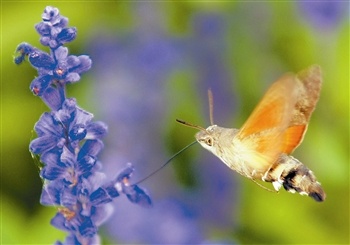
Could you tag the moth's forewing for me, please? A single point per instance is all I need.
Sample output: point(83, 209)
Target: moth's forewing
point(293, 137)
point(309, 86)
point(263, 134)
point(274, 109)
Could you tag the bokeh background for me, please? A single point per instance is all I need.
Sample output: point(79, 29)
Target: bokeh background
point(152, 63)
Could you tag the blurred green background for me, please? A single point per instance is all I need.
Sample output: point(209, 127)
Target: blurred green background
point(263, 39)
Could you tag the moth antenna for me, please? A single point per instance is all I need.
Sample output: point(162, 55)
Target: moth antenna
point(190, 125)
point(264, 187)
point(166, 163)
point(211, 107)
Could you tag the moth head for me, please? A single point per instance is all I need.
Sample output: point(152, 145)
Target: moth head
point(205, 137)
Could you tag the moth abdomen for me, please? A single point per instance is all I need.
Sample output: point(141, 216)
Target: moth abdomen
point(294, 176)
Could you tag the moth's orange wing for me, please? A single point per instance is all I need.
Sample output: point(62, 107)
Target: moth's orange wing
point(275, 108)
point(280, 120)
point(262, 136)
point(293, 137)
point(309, 83)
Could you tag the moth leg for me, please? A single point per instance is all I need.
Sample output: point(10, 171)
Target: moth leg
point(264, 187)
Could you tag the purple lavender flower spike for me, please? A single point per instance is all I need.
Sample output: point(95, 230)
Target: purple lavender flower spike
point(68, 141)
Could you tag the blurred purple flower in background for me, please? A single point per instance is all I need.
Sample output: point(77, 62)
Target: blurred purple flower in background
point(324, 15)
point(212, 72)
point(211, 64)
point(133, 69)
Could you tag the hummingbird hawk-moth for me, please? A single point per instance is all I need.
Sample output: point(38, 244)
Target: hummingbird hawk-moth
point(261, 148)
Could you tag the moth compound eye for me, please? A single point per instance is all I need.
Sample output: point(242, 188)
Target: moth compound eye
point(209, 141)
